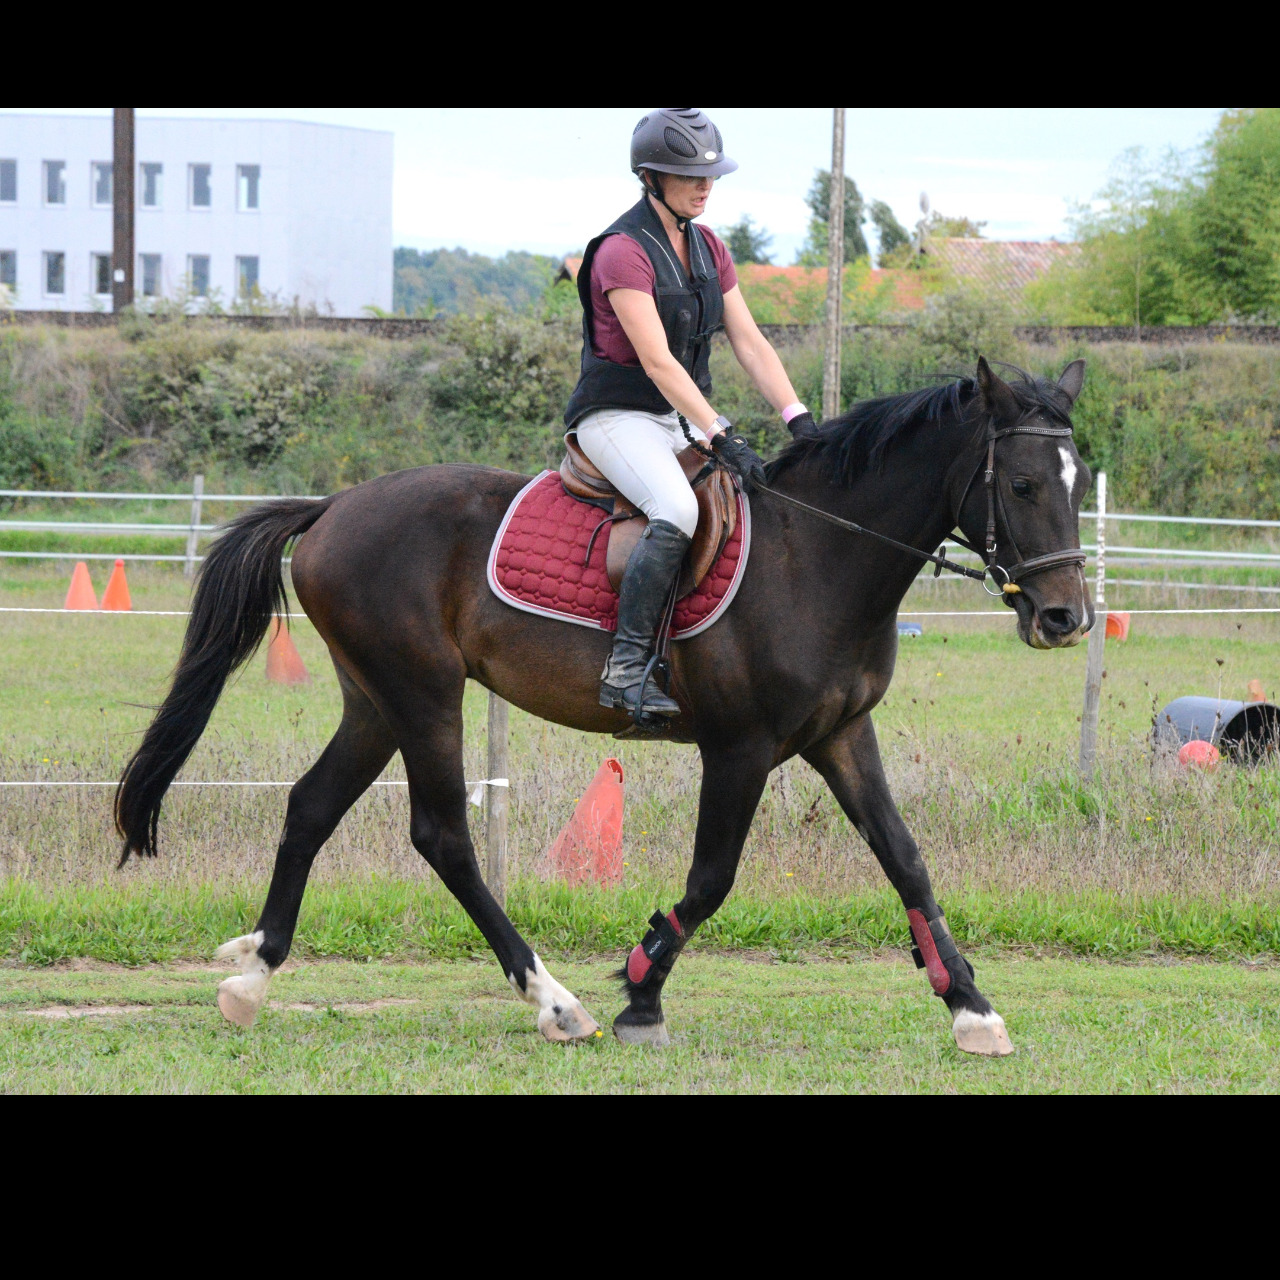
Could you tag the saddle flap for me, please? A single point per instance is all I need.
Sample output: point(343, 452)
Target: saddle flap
point(717, 523)
point(717, 512)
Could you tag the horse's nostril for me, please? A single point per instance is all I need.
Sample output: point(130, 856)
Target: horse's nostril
point(1061, 622)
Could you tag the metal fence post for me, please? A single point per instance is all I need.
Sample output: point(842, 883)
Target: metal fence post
point(193, 537)
point(1097, 647)
point(497, 802)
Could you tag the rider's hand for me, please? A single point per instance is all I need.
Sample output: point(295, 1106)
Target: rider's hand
point(739, 457)
point(803, 427)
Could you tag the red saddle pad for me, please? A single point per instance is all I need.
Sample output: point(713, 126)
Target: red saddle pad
point(539, 563)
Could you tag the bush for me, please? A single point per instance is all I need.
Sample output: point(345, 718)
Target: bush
point(1194, 431)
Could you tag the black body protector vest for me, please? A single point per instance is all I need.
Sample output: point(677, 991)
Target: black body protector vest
point(690, 306)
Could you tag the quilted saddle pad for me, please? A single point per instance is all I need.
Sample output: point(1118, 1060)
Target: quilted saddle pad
point(539, 563)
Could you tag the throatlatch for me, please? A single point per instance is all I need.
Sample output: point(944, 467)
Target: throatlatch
point(934, 949)
point(665, 937)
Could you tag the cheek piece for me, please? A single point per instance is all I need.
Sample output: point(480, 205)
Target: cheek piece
point(933, 950)
point(665, 937)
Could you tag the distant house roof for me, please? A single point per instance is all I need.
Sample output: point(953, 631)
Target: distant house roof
point(1004, 265)
point(906, 286)
point(569, 271)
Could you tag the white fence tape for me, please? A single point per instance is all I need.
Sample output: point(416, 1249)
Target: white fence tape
point(476, 789)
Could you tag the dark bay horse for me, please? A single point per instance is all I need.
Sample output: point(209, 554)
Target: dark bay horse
point(393, 576)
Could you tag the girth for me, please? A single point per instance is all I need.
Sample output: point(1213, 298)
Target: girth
point(717, 512)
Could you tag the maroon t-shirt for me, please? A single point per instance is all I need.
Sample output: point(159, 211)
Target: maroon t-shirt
point(620, 263)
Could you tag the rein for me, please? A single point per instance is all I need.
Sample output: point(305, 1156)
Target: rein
point(990, 553)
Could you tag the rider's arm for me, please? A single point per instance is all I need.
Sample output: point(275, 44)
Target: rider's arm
point(638, 314)
point(755, 354)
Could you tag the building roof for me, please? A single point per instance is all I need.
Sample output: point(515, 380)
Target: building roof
point(1004, 265)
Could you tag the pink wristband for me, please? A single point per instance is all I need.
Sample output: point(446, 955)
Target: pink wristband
point(793, 412)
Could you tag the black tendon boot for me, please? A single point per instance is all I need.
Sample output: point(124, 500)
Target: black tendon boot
point(646, 586)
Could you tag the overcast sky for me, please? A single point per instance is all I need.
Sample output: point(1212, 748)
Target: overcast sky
point(547, 179)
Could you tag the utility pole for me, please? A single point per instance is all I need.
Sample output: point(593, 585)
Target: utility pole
point(835, 274)
point(123, 169)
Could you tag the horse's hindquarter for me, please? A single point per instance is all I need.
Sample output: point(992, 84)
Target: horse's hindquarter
point(395, 574)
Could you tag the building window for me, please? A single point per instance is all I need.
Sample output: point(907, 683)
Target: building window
point(55, 182)
point(55, 275)
point(102, 274)
point(246, 277)
point(249, 183)
point(198, 275)
point(152, 185)
point(8, 182)
point(100, 181)
point(150, 272)
point(8, 268)
point(202, 186)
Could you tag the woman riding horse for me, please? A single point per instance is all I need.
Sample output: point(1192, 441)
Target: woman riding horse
point(655, 288)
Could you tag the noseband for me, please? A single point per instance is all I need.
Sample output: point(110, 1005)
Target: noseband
point(1022, 569)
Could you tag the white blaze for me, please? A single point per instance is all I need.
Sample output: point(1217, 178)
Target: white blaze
point(1069, 470)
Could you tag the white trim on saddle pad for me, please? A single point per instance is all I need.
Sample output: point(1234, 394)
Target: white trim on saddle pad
point(744, 523)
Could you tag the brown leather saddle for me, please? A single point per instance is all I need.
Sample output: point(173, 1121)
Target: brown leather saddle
point(717, 512)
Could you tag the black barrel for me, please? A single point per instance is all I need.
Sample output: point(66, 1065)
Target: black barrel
point(1246, 732)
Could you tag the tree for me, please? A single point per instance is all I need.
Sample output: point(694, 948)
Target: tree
point(1136, 265)
point(816, 248)
point(893, 235)
point(1235, 215)
point(941, 227)
point(748, 243)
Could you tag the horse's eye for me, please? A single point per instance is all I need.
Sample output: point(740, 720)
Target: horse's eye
point(1022, 488)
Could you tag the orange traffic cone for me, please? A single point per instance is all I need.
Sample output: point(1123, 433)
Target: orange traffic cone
point(81, 595)
point(590, 847)
point(115, 599)
point(1256, 692)
point(1117, 626)
point(284, 662)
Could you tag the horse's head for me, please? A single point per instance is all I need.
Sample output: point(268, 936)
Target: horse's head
point(1034, 497)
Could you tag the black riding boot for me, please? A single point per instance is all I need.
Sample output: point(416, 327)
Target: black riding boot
point(646, 587)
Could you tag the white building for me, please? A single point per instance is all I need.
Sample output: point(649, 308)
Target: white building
point(226, 209)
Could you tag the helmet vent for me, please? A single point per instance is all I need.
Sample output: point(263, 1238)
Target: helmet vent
point(640, 126)
point(719, 139)
point(680, 145)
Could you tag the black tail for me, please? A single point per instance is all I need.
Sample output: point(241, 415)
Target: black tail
point(239, 591)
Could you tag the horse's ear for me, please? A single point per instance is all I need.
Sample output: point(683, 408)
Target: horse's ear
point(1072, 380)
point(997, 395)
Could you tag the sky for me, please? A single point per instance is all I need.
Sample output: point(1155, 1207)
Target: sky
point(547, 179)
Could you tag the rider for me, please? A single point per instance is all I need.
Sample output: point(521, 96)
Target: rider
point(655, 288)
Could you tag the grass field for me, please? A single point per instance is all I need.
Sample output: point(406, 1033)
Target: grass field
point(739, 1026)
point(1045, 878)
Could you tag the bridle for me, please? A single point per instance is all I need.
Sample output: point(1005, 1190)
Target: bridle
point(1014, 575)
point(1022, 569)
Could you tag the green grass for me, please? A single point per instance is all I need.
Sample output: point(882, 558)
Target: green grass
point(396, 920)
point(739, 1026)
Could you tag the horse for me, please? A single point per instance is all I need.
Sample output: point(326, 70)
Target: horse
point(393, 575)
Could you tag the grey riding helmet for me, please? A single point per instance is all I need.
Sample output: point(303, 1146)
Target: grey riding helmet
point(680, 140)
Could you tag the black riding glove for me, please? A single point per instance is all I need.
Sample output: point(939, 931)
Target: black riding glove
point(803, 426)
point(740, 457)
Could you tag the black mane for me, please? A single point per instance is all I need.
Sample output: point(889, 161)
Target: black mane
point(858, 441)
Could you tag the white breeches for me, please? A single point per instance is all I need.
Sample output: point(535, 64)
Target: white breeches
point(636, 453)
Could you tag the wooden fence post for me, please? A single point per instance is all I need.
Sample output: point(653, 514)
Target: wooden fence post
point(193, 535)
point(1097, 647)
point(497, 802)
point(835, 274)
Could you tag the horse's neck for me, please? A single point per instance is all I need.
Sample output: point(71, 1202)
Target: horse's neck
point(906, 500)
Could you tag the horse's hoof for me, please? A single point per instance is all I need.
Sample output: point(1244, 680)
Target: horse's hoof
point(571, 1024)
point(983, 1034)
point(240, 999)
point(631, 1034)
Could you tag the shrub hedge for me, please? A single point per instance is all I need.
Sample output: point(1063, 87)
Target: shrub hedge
point(1192, 430)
